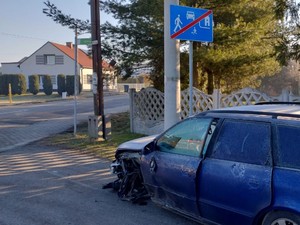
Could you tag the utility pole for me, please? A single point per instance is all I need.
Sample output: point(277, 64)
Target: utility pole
point(172, 70)
point(97, 66)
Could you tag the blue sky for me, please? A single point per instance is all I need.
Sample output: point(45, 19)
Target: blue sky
point(24, 28)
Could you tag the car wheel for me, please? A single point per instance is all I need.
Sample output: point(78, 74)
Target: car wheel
point(281, 218)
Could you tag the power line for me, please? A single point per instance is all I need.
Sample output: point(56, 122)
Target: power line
point(22, 36)
point(28, 37)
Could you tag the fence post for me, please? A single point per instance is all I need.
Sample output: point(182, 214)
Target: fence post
point(9, 93)
point(132, 92)
point(216, 98)
point(285, 95)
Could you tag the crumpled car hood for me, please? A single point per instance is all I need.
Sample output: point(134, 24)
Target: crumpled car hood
point(136, 144)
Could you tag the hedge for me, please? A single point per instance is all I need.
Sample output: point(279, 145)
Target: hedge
point(61, 84)
point(47, 85)
point(17, 81)
point(3, 85)
point(34, 84)
point(70, 84)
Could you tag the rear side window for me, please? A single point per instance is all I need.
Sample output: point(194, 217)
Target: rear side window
point(243, 141)
point(288, 154)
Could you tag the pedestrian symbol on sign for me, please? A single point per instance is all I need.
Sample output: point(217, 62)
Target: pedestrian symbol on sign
point(178, 23)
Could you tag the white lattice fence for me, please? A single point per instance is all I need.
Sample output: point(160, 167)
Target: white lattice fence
point(147, 111)
point(246, 96)
point(201, 102)
point(147, 106)
point(294, 98)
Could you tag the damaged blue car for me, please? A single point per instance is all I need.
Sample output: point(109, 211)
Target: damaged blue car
point(233, 166)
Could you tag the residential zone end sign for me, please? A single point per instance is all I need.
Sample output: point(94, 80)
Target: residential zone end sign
point(192, 24)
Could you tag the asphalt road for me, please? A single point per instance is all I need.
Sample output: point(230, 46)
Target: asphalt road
point(22, 124)
point(27, 114)
point(42, 185)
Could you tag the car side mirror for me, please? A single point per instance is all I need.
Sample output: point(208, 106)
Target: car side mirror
point(149, 148)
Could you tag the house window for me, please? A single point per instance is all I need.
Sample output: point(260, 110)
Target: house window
point(53, 79)
point(39, 60)
point(87, 79)
point(59, 59)
point(50, 59)
point(41, 79)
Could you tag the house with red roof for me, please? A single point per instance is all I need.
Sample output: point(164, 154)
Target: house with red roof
point(54, 59)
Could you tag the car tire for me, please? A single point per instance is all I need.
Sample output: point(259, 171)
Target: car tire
point(281, 217)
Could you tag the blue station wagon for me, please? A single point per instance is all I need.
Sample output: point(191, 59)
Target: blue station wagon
point(233, 166)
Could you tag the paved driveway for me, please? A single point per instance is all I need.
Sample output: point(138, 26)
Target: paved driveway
point(42, 185)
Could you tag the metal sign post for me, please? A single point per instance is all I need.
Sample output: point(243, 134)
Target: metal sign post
point(191, 78)
point(75, 82)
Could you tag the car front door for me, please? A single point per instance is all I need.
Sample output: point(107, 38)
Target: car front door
point(170, 169)
point(234, 180)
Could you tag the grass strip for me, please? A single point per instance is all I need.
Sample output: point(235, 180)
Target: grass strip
point(103, 149)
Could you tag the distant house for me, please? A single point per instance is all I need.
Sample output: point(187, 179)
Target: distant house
point(54, 59)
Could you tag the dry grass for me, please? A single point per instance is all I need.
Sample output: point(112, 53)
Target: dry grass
point(103, 149)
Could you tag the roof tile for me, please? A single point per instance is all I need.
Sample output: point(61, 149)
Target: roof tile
point(83, 59)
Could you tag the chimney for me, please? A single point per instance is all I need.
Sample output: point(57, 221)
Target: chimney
point(69, 44)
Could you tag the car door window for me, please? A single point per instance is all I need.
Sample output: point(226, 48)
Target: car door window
point(288, 154)
point(243, 141)
point(210, 133)
point(185, 138)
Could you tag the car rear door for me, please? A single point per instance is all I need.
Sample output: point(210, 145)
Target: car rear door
point(170, 170)
point(234, 180)
point(286, 181)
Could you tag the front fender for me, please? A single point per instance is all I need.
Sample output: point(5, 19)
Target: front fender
point(286, 189)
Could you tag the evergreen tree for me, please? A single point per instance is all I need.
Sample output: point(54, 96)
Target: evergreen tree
point(288, 46)
point(138, 37)
point(70, 85)
point(243, 48)
point(34, 84)
point(61, 84)
point(47, 85)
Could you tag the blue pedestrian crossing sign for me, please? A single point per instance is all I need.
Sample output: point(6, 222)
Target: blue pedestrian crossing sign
point(192, 24)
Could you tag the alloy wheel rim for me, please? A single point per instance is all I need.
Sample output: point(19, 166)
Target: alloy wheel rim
point(284, 221)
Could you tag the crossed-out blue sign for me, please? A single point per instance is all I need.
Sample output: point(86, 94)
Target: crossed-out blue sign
point(193, 24)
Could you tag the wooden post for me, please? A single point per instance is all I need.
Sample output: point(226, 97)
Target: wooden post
point(97, 62)
point(9, 94)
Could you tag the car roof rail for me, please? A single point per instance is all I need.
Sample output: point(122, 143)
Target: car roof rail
point(274, 115)
point(277, 103)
